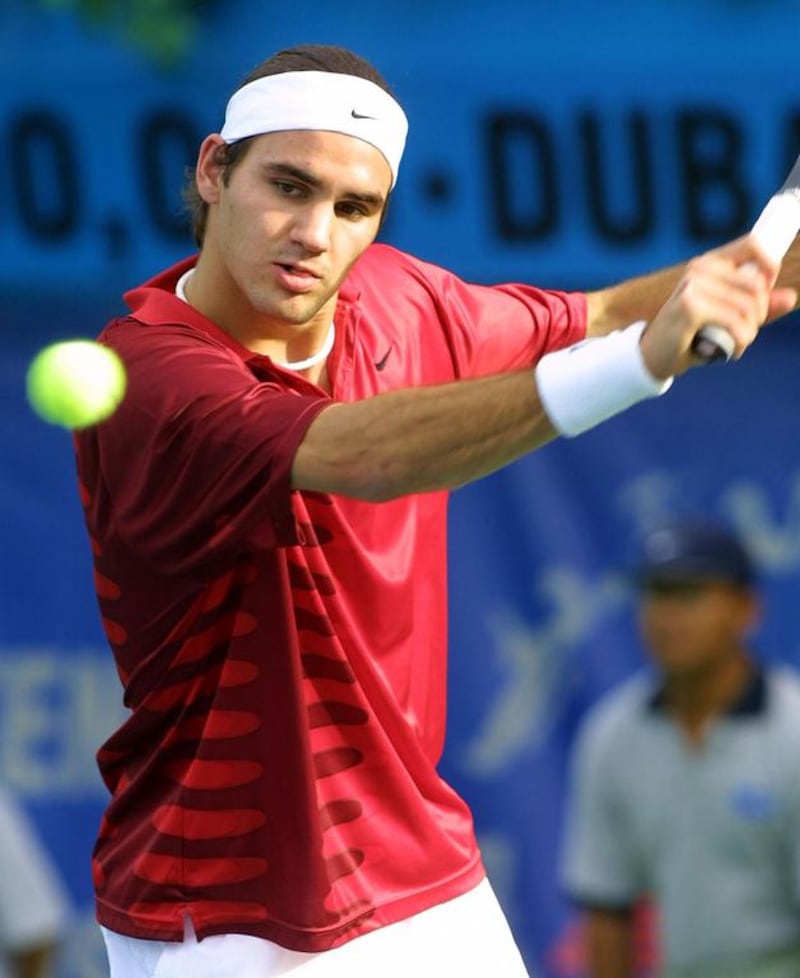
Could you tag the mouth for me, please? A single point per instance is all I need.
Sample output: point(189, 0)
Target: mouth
point(296, 278)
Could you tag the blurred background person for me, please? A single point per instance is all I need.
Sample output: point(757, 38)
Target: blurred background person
point(34, 907)
point(686, 781)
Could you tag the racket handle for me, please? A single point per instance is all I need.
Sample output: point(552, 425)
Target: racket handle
point(713, 343)
point(775, 229)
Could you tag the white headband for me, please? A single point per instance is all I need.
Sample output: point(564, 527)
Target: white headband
point(319, 100)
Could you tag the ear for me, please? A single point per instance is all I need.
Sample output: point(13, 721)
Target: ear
point(209, 169)
point(752, 612)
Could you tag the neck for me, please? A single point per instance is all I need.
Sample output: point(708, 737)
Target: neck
point(313, 344)
point(697, 697)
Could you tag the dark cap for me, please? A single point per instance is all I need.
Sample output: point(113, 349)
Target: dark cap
point(694, 551)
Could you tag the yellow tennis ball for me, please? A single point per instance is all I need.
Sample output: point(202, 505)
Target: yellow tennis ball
point(75, 383)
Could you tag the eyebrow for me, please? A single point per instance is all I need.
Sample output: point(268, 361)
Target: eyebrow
point(288, 170)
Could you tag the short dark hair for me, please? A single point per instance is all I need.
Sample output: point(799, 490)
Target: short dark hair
point(304, 57)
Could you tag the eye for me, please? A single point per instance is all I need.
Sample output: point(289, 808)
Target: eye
point(352, 210)
point(287, 189)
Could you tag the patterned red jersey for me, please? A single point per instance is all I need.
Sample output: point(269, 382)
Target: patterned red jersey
point(283, 653)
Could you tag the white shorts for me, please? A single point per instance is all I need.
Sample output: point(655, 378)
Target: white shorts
point(467, 936)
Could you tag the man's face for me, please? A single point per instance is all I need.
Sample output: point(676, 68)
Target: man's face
point(691, 625)
point(295, 214)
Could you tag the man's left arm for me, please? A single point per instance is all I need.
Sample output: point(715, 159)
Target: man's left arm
point(641, 297)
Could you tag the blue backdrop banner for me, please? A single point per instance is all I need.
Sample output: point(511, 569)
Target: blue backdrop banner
point(566, 144)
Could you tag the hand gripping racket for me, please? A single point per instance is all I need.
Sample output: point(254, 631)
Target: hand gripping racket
point(775, 230)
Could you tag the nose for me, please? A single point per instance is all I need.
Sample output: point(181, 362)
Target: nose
point(312, 226)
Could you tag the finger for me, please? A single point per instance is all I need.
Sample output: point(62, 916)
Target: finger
point(742, 296)
point(781, 302)
point(748, 277)
point(709, 300)
point(748, 249)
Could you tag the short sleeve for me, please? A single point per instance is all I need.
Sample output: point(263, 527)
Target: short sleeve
point(496, 328)
point(598, 864)
point(34, 907)
point(458, 329)
point(195, 465)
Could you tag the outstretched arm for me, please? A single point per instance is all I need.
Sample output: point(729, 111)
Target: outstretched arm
point(641, 297)
point(422, 439)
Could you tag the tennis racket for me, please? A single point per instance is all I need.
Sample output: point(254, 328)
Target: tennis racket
point(775, 230)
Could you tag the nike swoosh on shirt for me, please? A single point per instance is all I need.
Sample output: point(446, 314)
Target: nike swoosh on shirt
point(380, 364)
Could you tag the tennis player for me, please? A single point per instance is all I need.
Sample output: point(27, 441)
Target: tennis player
point(267, 514)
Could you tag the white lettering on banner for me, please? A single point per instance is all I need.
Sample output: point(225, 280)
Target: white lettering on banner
point(775, 546)
point(774, 542)
point(520, 715)
point(56, 707)
point(651, 498)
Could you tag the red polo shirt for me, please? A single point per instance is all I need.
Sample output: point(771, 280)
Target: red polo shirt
point(283, 653)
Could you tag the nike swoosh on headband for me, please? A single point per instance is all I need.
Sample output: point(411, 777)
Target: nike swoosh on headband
point(324, 100)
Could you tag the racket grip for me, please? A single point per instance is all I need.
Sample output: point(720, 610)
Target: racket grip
point(775, 230)
point(713, 343)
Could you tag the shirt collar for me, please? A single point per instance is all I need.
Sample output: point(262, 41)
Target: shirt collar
point(751, 703)
point(154, 302)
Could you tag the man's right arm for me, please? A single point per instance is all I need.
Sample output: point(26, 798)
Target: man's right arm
point(608, 940)
point(641, 297)
point(440, 437)
point(421, 439)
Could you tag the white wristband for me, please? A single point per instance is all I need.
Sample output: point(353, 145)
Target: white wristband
point(595, 379)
